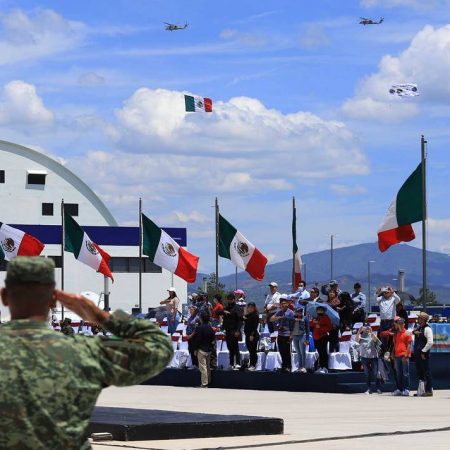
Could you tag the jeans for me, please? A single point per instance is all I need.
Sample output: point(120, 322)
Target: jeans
point(321, 347)
point(172, 323)
point(371, 371)
point(402, 371)
point(233, 348)
point(423, 370)
point(284, 347)
point(251, 347)
point(203, 365)
point(300, 349)
point(386, 341)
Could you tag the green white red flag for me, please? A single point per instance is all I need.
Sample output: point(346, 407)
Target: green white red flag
point(233, 245)
point(76, 241)
point(295, 252)
point(166, 253)
point(15, 242)
point(195, 104)
point(404, 210)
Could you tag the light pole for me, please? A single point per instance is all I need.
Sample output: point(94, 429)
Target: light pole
point(369, 289)
point(331, 255)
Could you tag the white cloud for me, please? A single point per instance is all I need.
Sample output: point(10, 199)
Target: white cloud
point(417, 4)
point(439, 225)
point(247, 39)
point(426, 62)
point(91, 79)
point(243, 143)
point(344, 190)
point(193, 216)
point(43, 32)
point(313, 36)
point(22, 105)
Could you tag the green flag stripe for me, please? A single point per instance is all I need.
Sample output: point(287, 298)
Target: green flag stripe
point(151, 237)
point(189, 102)
point(74, 235)
point(294, 231)
point(226, 235)
point(409, 199)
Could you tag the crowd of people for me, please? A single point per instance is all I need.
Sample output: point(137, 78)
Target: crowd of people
point(308, 319)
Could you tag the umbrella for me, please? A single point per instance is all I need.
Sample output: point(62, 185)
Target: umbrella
point(311, 310)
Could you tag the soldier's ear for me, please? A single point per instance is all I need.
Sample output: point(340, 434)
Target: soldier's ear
point(4, 295)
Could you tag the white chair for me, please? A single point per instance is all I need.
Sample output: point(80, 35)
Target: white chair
point(311, 358)
point(273, 361)
point(183, 343)
point(175, 339)
point(261, 362)
point(344, 342)
point(339, 361)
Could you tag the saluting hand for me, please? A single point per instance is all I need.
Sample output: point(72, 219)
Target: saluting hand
point(82, 306)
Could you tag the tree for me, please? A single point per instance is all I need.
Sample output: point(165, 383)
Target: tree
point(428, 299)
point(211, 286)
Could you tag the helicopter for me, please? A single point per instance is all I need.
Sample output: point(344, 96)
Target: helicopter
point(364, 21)
point(173, 27)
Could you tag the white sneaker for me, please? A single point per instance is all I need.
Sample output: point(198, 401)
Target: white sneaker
point(236, 367)
point(252, 368)
point(379, 391)
point(367, 392)
point(396, 393)
point(302, 370)
point(325, 370)
point(405, 393)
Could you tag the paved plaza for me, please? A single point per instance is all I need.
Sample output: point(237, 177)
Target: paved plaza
point(312, 421)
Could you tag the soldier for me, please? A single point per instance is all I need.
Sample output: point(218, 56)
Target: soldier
point(66, 327)
point(37, 364)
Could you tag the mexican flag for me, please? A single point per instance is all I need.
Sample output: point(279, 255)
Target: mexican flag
point(295, 252)
point(76, 241)
point(14, 242)
point(233, 245)
point(194, 104)
point(166, 253)
point(404, 210)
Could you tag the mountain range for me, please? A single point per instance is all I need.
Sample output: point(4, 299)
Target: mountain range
point(350, 264)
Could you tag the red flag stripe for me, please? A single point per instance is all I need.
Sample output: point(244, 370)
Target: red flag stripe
point(403, 233)
point(257, 265)
point(103, 268)
point(30, 246)
point(187, 265)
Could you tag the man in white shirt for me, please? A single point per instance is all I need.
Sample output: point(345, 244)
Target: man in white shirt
point(301, 296)
point(423, 341)
point(272, 304)
point(387, 302)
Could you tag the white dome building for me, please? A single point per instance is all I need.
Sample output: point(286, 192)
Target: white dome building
point(32, 187)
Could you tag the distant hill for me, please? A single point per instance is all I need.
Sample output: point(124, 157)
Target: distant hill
point(349, 266)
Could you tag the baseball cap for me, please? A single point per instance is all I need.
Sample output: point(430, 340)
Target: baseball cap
point(384, 289)
point(239, 291)
point(333, 282)
point(273, 284)
point(171, 289)
point(30, 270)
point(284, 297)
point(424, 315)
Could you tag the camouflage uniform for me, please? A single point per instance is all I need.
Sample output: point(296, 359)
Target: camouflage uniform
point(50, 382)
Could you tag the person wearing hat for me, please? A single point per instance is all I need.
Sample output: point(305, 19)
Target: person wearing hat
point(66, 327)
point(423, 341)
point(284, 319)
point(402, 352)
point(172, 303)
point(369, 350)
point(333, 285)
point(232, 324)
point(271, 304)
point(387, 301)
point(38, 364)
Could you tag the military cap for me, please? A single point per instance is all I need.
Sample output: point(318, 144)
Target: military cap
point(30, 270)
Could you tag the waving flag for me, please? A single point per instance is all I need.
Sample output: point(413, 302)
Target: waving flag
point(194, 104)
point(15, 242)
point(295, 252)
point(233, 245)
point(404, 210)
point(166, 253)
point(76, 241)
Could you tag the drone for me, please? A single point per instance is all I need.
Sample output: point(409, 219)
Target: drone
point(364, 21)
point(174, 27)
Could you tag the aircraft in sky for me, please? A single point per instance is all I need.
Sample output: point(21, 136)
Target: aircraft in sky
point(364, 21)
point(174, 27)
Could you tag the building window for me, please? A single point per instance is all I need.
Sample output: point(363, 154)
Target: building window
point(2, 176)
point(71, 208)
point(47, 209)
point(131, 265)
point(36, 178)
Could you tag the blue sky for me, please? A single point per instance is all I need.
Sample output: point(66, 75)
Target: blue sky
point(301, 107)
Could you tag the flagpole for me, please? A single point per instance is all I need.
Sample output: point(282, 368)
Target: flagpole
point(217, 244)
point(63, 236)
point(423, 143)
point(236, 278)
point(294, 223)
point(140, 254)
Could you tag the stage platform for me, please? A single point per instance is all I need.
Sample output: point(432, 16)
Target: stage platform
point(127, 424)
point(333, 382)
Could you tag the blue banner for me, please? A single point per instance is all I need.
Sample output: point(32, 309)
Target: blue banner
point(441, 335)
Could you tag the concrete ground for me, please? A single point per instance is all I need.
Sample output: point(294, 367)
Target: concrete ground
point(312, 421)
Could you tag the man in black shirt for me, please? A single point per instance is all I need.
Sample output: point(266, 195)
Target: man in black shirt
point(204, 338)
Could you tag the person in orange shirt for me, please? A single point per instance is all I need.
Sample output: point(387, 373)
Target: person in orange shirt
point(321, 327)
point(402, 353)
